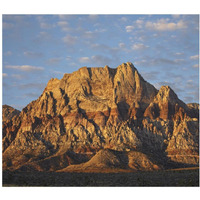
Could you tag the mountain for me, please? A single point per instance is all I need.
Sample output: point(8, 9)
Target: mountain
point(9, 112)
point(107, 110)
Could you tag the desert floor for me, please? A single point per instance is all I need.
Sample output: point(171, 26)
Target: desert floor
point(177, 177)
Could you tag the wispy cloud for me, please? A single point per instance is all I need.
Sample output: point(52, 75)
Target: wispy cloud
point(43, 35)
point(64, 17)
point(89, 34)
point(25, 68)
point(8, 53)
point(84, 59)
point(139, 46)
point(97, 59)
point(179, 53)
point(195, 57)
point(53, 61)
point(195, 66)
point(57, 72)
point(93, 17)
point(45, 25)
point(165, 25)
point(122, 45)
point(32, 54)
point(123, 19)
point(70, 40)
point(64, 25)
point(4, 75)
point(129, 28)
point(159, 61)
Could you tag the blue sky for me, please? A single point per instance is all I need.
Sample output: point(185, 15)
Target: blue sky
point(164, 49)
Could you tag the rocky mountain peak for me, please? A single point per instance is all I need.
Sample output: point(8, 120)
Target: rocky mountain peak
point(9, 112)
point(165, 105)
point(99, 108)
point(166, 94)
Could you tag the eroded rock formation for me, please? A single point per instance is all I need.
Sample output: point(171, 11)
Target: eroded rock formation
point(101, 108)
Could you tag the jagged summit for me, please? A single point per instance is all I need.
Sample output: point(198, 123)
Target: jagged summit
point(100, 108)
point(9, 112)
point(165, 104)
point(166, 94)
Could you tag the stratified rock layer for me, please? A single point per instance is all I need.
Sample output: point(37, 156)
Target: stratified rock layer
point(101, 108)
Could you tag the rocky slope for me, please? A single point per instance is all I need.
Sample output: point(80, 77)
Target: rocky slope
point(8, 113)
point(107, 160)
point(101, 108)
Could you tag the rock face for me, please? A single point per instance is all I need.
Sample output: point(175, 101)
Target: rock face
point(8, 113)
point(101, 108)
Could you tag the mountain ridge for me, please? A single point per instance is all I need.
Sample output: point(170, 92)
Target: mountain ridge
point(102, 108)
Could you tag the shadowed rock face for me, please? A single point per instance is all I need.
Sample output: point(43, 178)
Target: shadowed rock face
point(100, 108)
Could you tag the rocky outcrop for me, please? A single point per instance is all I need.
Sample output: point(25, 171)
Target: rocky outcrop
point(107, 160)
point(100, 108)
point(8, 113)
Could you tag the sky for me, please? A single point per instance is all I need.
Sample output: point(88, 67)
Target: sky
point(36, 48)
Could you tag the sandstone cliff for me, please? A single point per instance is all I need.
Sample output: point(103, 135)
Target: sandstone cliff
point(101, 108)
point(8, 113)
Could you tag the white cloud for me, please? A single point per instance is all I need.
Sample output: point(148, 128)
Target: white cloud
point(84, 59)
point(123, 19)
point(45, 25)
point(139, 46)
point(68, 58)
point(176, 16)
point(196, 66)
point(70, 40)
point(93, 17)
point(64, 25)
point(4, 75)
point(42, 22)
point(195, 57)
point(179, 54)
point(64, 17)
point(53, 61)
point(26, 68)
point(57, 72)
point(122, 45)
point(32, 54)
point(164, 25)
point(89, 34)
point(139, 23)
point(97, 59)
point(100, 30)
point(129, 28)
